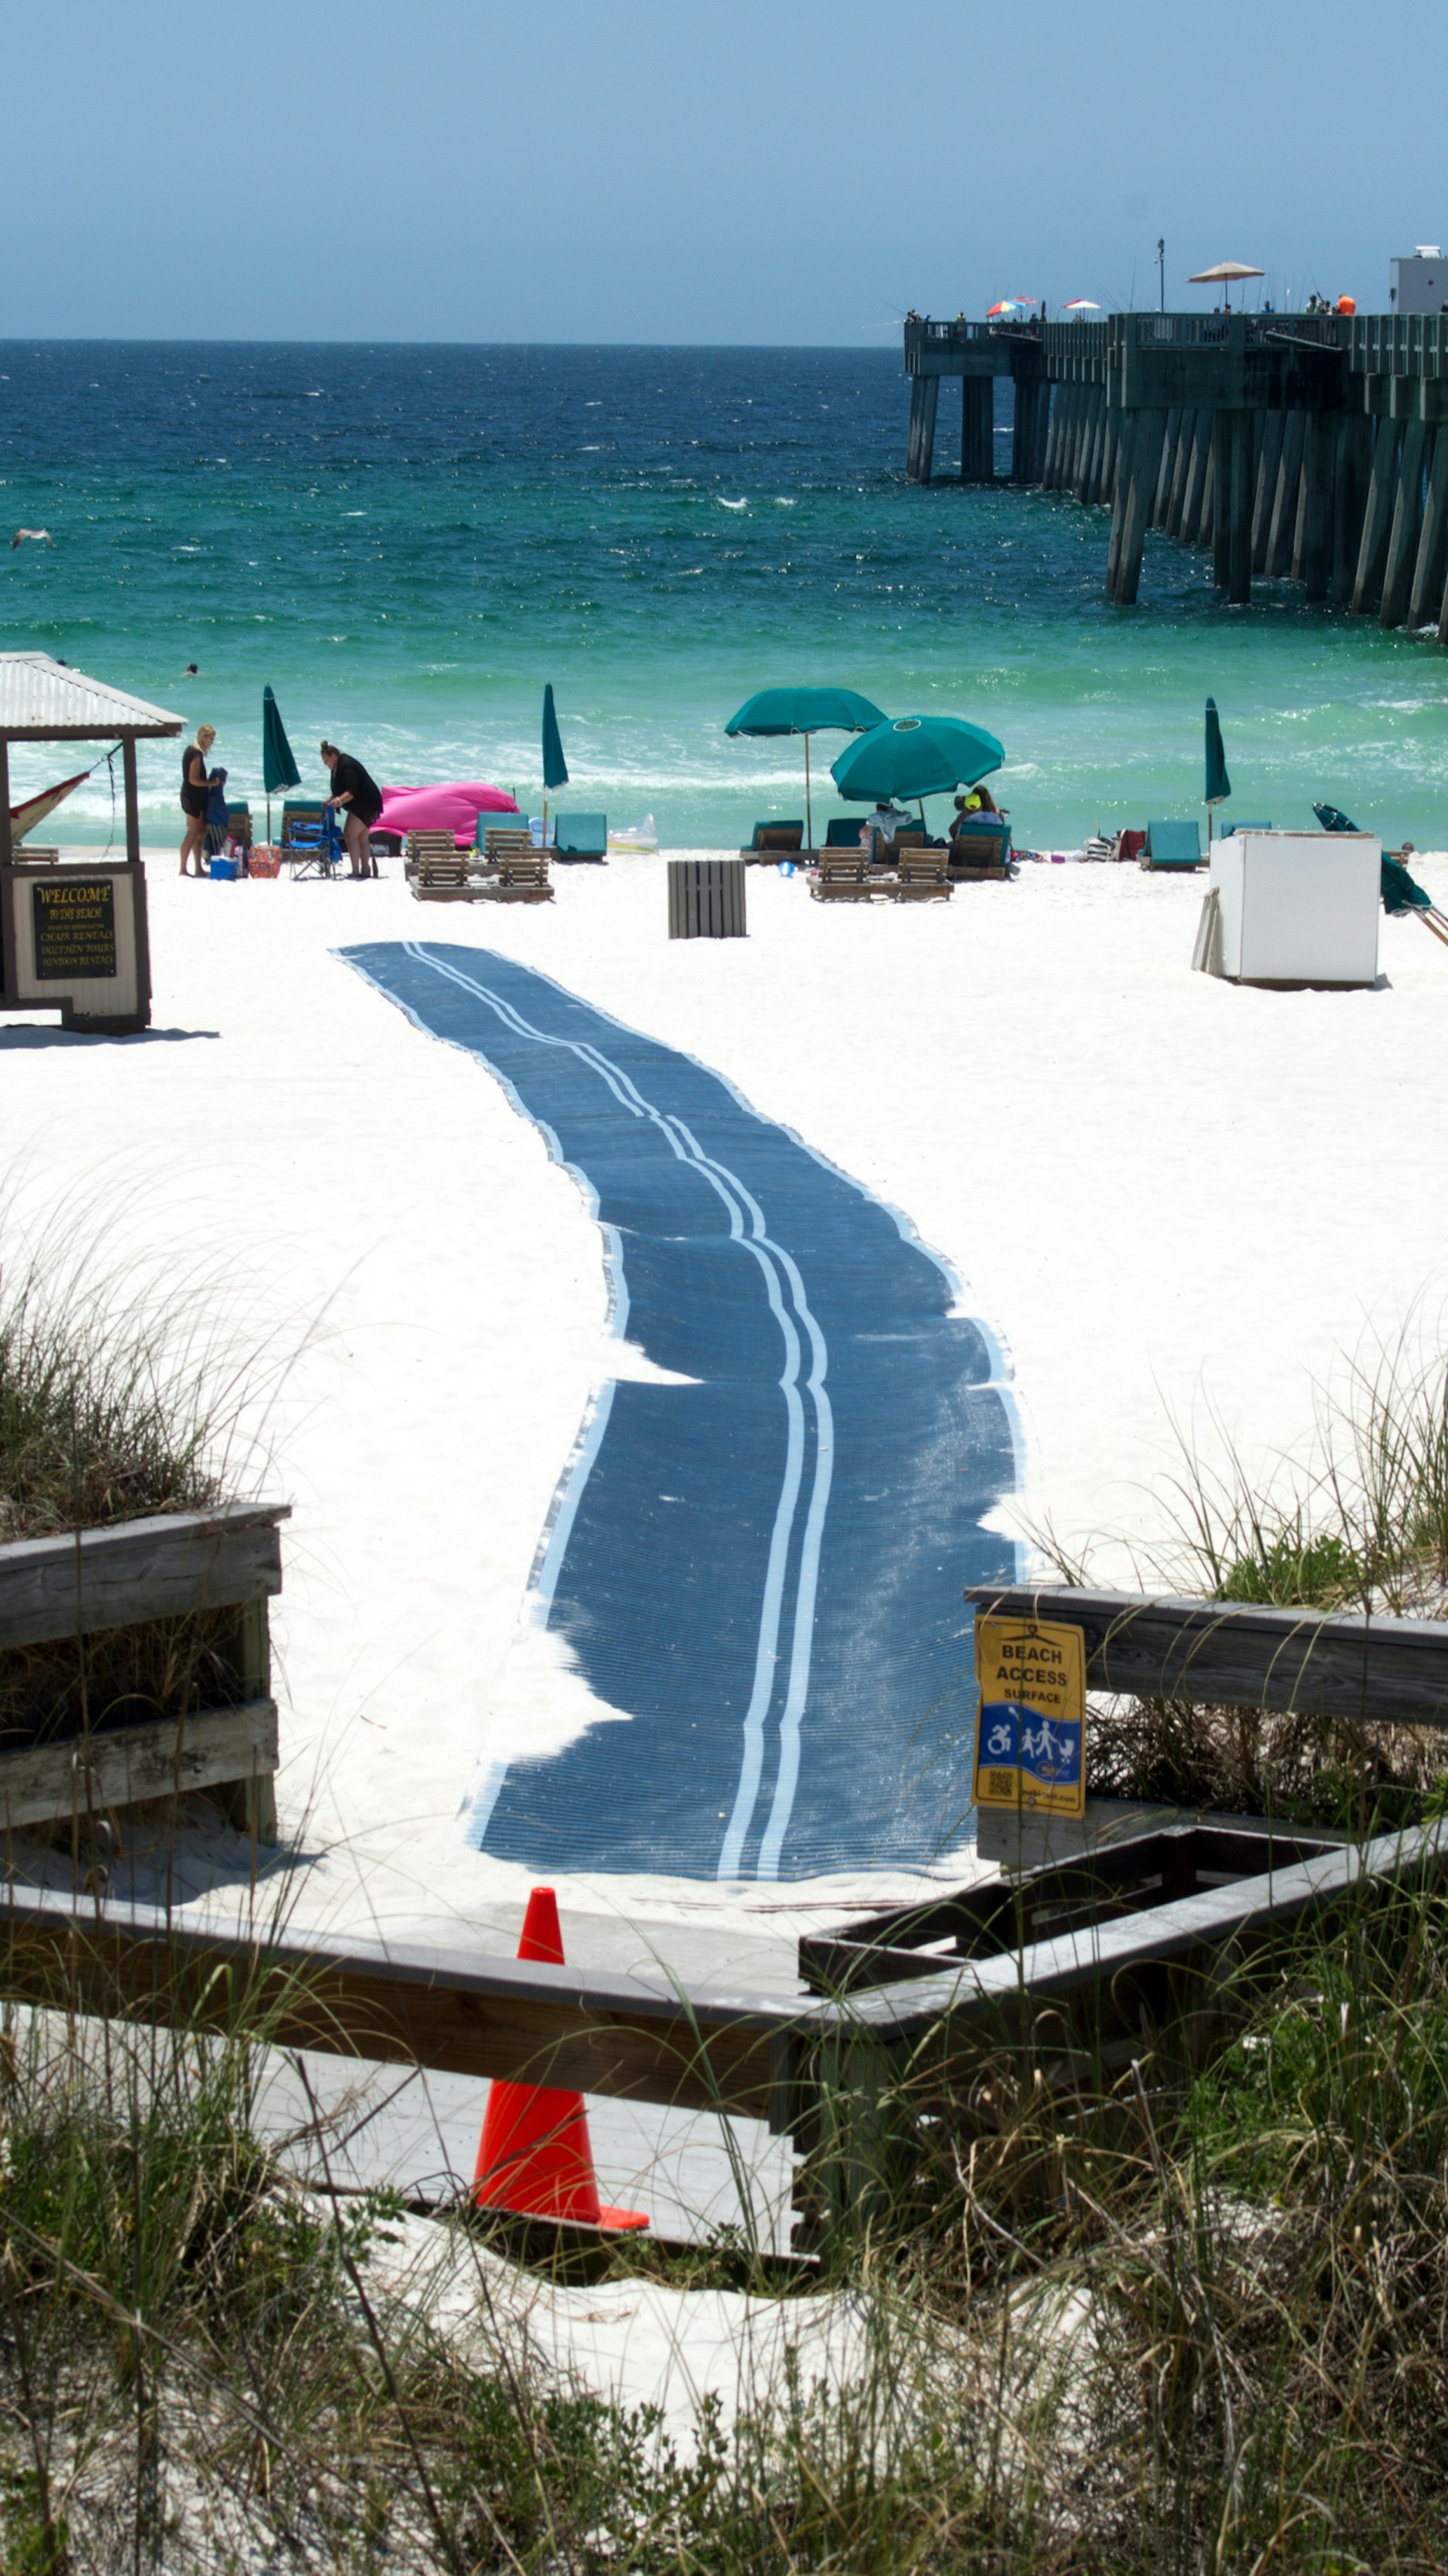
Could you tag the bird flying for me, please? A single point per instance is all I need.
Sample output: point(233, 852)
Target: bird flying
point(36, 537)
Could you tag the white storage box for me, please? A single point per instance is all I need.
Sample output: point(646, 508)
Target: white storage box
point(1296, 908)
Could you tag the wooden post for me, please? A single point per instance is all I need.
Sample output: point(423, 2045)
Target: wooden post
point(920, 454)
point(1118, 506)
point(1284, 501)
point(1208, 521)
point(1367, 589)
point(1222, 448)
point(1181, 464)
point(1094, 425)
point(1431, 565)
point(1239, 511)
point(1349, 500)
point(1110, 454)
point(1189, 509)
point(1136, 485)
point(1317, 488)
point(1053, 438)
point(1407, 524)
point(7, 851)
point(1266, 492)
point(1085, 435)
point(133, 806)
point(977, 429)
point(1156, 515)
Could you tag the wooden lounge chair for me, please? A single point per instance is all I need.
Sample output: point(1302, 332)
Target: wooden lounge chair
point(981, 848)
point(580, 836)
point(429, 845)
point(437, 878)
point(522, 877)
point(843, 878)
point(774, 841)
point(1173, 845)
point(506, 840)
point(923, 877)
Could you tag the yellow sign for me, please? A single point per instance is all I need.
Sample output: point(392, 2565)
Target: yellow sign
point(1030, 1746)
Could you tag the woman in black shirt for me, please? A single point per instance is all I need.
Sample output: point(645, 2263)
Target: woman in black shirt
point(358, 799)
point(193, 798)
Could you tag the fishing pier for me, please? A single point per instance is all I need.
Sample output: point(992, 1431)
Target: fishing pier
point(1302, 447)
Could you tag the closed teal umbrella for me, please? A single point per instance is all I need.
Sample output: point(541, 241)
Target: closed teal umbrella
point(555, 767)
point(805, 711)
point(916, 756)
point(278, 768)
point(1219, 785)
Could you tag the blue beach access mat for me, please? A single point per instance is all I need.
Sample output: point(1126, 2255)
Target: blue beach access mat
point(762, 1569)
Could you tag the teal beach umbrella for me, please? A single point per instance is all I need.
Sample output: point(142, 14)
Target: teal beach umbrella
point(1219, 785)
point(804, 711)
point(916, 756)
point(555, 767)
point(278, 769)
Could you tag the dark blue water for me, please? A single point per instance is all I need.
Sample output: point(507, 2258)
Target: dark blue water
point(407, 542)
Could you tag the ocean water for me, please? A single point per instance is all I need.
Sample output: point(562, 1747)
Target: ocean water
point(407, 542)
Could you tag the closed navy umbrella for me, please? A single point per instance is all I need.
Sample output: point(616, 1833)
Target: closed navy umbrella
point(278, 768)
point(1219, 785)
point(555, 767)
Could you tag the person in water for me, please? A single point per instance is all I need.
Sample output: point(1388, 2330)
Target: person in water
point(358, 799)
point(195, 787)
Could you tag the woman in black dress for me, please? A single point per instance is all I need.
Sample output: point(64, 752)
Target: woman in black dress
point(193, 798)
point(358, 799)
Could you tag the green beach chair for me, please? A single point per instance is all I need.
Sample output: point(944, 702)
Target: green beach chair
point(773, 839)
point(1173, 845)
point(842, 832)
point(580, 836)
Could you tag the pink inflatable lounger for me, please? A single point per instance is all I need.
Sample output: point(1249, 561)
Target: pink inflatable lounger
point(453, 808)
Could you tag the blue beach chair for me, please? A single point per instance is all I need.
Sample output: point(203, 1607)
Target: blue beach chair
point(580, 836)
point(1173, 845)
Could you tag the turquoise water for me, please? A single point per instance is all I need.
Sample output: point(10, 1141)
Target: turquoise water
point(407, 542)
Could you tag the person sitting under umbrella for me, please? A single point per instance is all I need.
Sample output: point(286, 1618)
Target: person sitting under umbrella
point(979, 801)
point(886, 820)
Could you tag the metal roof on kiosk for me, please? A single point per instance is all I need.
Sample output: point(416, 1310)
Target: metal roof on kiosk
point(45, 701)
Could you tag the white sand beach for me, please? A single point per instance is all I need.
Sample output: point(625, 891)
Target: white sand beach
point(1163, 1195)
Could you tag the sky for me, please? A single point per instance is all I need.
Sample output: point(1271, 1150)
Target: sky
point(786, 171)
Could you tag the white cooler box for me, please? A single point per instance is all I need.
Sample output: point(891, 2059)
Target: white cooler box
point(1293, 908)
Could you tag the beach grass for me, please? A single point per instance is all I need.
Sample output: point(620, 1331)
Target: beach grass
point(1183, 2314)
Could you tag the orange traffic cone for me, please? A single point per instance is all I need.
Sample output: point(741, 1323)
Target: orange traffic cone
point(535, 2157)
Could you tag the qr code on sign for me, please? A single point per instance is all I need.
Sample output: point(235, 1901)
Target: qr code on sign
point(1002, 1784)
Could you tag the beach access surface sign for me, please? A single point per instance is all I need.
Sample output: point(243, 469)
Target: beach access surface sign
point(75, 930)
point(1030, 1747)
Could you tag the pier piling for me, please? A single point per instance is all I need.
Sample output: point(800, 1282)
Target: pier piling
point(1309, 447)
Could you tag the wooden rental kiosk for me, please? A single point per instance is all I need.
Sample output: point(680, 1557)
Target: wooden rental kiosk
point(73, 932)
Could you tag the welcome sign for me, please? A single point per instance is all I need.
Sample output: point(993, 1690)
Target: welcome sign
point(1030, 1748)
point(75, 929)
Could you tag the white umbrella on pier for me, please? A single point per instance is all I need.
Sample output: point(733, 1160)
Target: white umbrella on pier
point(1227, 273)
